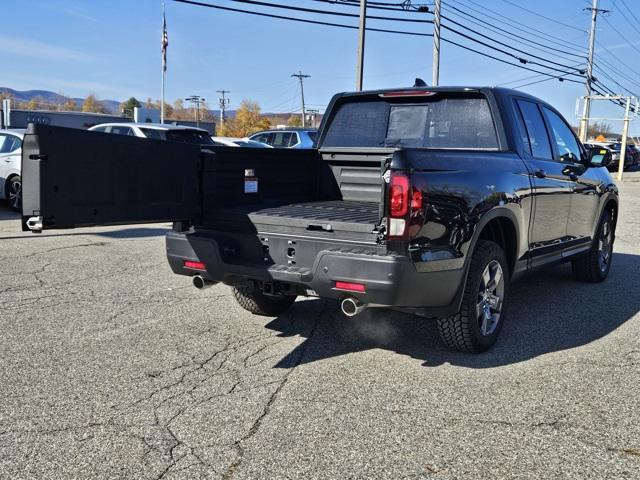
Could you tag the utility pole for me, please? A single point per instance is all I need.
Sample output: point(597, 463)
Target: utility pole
point(361, 35)
point(625, 131)
point(224, 103)
point(196, 100)
point(435, 78)
point(301, 76)
point(584, 121)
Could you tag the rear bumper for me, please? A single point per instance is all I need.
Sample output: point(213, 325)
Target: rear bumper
point(391, 280)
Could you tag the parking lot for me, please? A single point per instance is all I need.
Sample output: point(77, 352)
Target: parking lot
point(113, 367)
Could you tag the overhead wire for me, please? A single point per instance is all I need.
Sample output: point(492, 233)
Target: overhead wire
point(538, 14)
point(519, 38)
point(326, 12)
point(514, 23)
point(302, 20)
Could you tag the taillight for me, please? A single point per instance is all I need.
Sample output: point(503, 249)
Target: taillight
point(405, 200)
point(399, 195)
point(194, 265)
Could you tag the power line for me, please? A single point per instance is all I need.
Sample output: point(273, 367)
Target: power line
point(532, 12)
point(326, 12)
point(303, 20)
point(520, 59)
point(622, 36)
point(405, 6)
point(514, 23)
point(492, 27)
point(504, 61)
point(581, 71)
point(634, 25)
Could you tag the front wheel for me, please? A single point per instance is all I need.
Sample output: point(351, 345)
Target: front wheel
point(595, 265)
point(476, 326)
point(258, 303)
point(14, 193)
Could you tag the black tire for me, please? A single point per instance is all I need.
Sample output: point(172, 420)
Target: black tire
point(260, 304)
point(463, 331)
point(595, 265)
point(13, 193)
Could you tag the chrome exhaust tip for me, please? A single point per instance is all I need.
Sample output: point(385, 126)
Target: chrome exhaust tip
point(351, 306)
point(201, 283)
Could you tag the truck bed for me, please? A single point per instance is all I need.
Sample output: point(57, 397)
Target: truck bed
point(332, 217)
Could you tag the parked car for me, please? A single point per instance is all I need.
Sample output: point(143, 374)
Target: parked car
point(287, 137)
point(10, 159)
point(158, 131)
point(615, 147)
point(423, 200)
point(238, 142)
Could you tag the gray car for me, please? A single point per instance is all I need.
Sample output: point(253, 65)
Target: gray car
point(287, 137)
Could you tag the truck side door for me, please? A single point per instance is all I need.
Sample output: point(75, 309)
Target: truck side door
point(75, 178)
point(552, 188)
point(584, 198)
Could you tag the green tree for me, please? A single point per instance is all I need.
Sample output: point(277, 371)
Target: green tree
point(127, 107)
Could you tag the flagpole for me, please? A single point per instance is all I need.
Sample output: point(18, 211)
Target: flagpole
point(164, 69)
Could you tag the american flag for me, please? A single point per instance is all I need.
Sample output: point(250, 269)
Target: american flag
point(165, 42)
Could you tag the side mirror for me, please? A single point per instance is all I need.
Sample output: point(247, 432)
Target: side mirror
point(599, 157)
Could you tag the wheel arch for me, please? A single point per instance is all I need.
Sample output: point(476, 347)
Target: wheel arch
point(499, 225)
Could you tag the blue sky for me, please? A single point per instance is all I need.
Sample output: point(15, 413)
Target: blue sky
point(112, 49)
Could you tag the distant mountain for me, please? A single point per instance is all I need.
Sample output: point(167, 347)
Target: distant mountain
point(54, 98)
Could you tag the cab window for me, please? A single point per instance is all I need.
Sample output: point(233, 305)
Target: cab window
point(566, 142)
point(536, 139)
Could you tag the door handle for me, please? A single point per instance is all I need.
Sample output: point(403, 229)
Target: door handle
point(540, 173)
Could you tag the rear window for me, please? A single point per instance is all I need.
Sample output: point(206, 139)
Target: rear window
point(189, 136)
point(443, 123)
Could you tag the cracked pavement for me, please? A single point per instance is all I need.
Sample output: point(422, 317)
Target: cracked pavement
point(113, 367)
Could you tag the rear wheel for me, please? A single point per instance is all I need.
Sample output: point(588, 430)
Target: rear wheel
point(14, 193)
point(595, 265)
point(476, 326)
point(258, 303)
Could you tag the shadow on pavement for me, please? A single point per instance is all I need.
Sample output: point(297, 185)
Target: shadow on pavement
point(548, 312)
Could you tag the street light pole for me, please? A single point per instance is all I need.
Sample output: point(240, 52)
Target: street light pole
point(196, 100)
point(361, 38)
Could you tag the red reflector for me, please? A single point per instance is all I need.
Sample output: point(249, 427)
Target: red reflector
point(352, 287)
point(408, 93)
point(399, 195)
point(416, 200)
point(194, 265)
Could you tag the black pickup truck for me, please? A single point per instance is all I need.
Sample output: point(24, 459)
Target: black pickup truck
point(425, 200)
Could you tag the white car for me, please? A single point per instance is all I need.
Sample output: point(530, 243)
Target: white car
point(238, 142)
point(10, 162)
point(158, 131)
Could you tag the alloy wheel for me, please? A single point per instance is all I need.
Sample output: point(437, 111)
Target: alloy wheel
point(490, 298)
point(604, 245)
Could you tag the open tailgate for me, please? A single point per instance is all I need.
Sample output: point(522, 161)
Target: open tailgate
point(75, 178)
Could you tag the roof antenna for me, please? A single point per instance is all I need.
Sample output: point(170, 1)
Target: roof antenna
point(420, 83)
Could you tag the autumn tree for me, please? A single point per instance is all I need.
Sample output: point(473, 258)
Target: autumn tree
point(91, 104)
point(246, 121)
point(294, 121)
point(69, 105)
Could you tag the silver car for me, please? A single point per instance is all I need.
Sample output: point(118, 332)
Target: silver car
point(10, 163)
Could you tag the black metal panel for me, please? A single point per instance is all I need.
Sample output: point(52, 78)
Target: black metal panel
point(77, 178)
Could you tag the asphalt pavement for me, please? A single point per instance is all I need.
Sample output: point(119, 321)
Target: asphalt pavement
point(113, 367)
